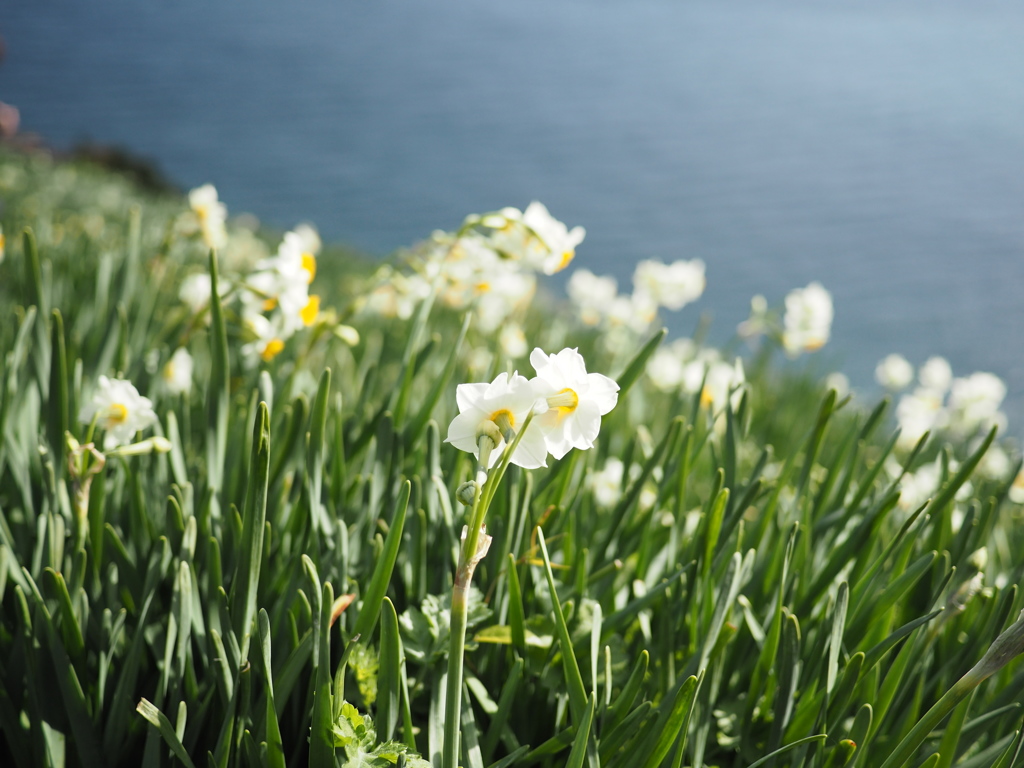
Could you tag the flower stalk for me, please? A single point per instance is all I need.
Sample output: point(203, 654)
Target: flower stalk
point(475, 543)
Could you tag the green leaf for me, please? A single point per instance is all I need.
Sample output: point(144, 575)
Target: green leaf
point(218, 392)
point(159, 720)
point(635, 367)
point(570, 667)
point(246, 580)
point(382, 571)
point(388, 682)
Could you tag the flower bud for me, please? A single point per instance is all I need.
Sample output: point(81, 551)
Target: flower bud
point(466, 493)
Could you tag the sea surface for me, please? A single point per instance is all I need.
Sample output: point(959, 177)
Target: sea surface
point(876, 146)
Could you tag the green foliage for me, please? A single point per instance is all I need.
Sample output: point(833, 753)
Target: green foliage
point(757, 590)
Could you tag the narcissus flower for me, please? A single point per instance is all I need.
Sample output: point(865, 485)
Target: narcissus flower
point(576, 400)
point(808, 319)
point(894, 372)
point(499, 410)
point(119, 410)
point(672, 286)
point(212, 215)
point(177, 372)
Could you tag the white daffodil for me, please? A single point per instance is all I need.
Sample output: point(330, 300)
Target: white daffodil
point(512, 340)
point(672, 286)
point(576, 400)
point(558, 241)
point(839, 382)
point(894, 372)
point(268, 342)
point(119, 410)
point(919, 412)
point(665, 369)
point(212, 215)
point(808, 319)
point(936, 375)
point(498, 410)
point(196, 291)
point(177, 372)
point(591, 294)
point(974, 403)
point(606, 485)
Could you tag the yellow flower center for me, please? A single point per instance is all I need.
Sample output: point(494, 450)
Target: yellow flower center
point(309, 264)
point(564, 402)
point(566, 258)
point(706, 397)
point(310, 311)
point(273, 348)
point(117, 414)
point(269, 304)
point(504, 419)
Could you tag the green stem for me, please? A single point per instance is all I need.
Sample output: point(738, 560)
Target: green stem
point(469, 555)
point(457, 635)
point(906, 748)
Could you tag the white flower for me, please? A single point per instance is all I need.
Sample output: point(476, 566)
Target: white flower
point(839, 382)
point(919, 412)
point(757, 323)
point(196, 291)
point(665, 369)
point(512, 340)
point(592, 294)
point(558, 241)
point(672, 286)
point(808, 319)
point(894, 372)
point(268, 342)
point(177, 373)
point(119, 410)
point(1017, 488)
point(505, 402)
point(576, 400)
point(974, 403)
point(936, 374)
point(721, 380)
point(606, 485)
point(212, 214)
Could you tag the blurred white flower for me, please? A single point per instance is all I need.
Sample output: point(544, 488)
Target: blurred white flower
point(119, 410)
point(974, 403)
point(839, 382)
point(196, 290)
point(672, 286)
point(591, 294)
point(504, 403)
point(576, 400)
point(212, 215)
point(635, 312)
point(757, 323)
point(721, 380)
point(558, 242)
point(808, 319)
point(995, 464)
point(1017, 488)
point(894, 372)
point(513, 340)
point(177, 372)
point(936, 374)
point(606, 485)
point(919, 412)
point(665, 369)
point(268, 342)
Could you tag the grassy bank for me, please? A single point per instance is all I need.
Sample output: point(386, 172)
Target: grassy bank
point(248, 558)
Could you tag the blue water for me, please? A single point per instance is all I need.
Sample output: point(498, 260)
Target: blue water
point(875, 146)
